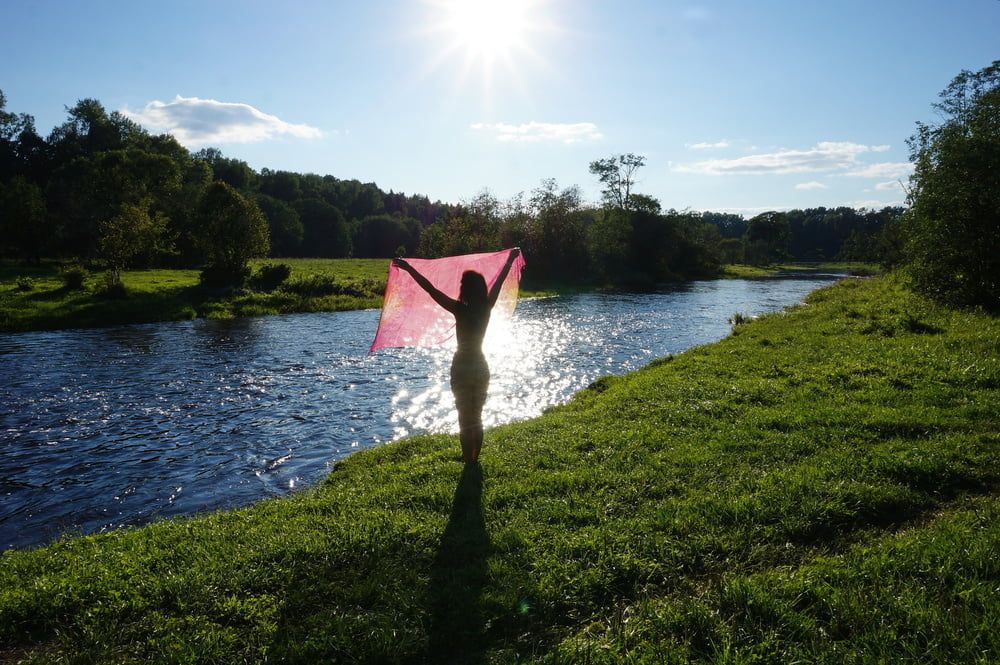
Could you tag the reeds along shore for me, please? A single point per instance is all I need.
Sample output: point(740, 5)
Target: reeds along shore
point(821, 486)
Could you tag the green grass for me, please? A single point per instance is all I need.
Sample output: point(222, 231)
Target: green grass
point(821, 486)
point(744, 271)
point(171, 295)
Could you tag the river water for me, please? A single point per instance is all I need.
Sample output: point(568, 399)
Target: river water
point(111, 427)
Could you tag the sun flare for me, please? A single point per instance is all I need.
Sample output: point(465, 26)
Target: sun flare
point(488, 29)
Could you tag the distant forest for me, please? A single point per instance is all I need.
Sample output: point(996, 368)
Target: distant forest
point(101, 189)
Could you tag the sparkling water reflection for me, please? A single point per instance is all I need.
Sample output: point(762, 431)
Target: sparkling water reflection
point(117, 426)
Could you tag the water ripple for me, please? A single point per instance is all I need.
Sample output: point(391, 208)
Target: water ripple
point(111, 427)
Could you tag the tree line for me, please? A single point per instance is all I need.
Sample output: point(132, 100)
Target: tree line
point(101, 188)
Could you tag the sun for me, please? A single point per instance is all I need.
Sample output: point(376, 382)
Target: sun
point(488, 29)
point(495, 46)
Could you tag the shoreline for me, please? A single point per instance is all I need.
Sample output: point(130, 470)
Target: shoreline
point(750, 496)
point(161, 295)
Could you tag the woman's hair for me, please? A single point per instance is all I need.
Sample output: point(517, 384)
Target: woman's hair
point(473, 291)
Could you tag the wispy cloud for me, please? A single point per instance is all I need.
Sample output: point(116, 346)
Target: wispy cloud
point(883, 170)
point(812, 184)
point(824, 157)
point(195, 121)
point(705, 145)
point(533, 132)
point(890, 186)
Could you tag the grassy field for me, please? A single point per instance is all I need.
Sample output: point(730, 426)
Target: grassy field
point(821, 486)
point(172, 295)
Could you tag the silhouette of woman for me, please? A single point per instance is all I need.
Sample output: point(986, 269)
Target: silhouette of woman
point(470, 375)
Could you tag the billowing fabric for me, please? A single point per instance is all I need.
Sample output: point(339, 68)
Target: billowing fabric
point(410, 317)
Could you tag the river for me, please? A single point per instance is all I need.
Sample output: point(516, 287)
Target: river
point(112, 427)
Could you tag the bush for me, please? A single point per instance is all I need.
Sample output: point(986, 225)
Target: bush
point(114, 289)
point(73, 276)
point(270, 276)
point(215, 277)
point(24, 284)
point(315, 286)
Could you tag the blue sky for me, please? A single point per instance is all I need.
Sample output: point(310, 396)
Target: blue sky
point(742, 106)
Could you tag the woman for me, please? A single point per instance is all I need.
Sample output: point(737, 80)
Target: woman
point(470, 375)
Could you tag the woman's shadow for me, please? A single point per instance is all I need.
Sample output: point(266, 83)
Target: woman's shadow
point(458, 577)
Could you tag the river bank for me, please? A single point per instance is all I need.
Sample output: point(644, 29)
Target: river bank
point(35, 298)
point(820, 485)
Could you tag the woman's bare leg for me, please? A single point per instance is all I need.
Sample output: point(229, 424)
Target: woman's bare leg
point(470, 433)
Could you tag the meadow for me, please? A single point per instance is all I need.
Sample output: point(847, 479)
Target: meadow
point(820, 486)
point(315, 285)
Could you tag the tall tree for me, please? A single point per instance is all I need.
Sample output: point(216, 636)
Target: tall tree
point(952, 231)
point(617, 174)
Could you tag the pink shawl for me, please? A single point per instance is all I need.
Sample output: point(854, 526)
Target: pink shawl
point(410, 317)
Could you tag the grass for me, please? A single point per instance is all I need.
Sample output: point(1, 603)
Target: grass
point(821, 486)
point(172, 295)
point(34, 297)
point(744, 271)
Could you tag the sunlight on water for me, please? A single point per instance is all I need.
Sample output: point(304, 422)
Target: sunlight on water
point(110, 427)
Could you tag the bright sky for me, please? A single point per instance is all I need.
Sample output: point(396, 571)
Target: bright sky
point(737, 105)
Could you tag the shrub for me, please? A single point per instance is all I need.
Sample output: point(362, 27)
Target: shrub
point(320, 285)
point(24, 284)
point(270, 276)
point(114, 287)
point(739, 318)
point(231, 231)
point(73, 276)
point(215, 277)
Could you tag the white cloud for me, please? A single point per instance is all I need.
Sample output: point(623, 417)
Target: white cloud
point(707, 146)
point(881, 148)
point(883, 170)
point(872, 204)
point(825, 156)
point(533, 132)
point(749, 212)
point(195, 121)
point(892, 185)
point(812, 184)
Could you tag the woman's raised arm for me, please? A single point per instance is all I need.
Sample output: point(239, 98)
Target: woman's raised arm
point(497, 285)
point(440, 298)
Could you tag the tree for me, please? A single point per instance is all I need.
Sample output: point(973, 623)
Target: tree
point(380, 236)
point(232, 230)
point(608, 243)
point(557, 237)
point(325, 230)
point(23, 219)
point(952, 231)
point(617, 174)
point(128, 234)
point(282, 185)
point(284, 224)
point(234, 172)
point(767, 238)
